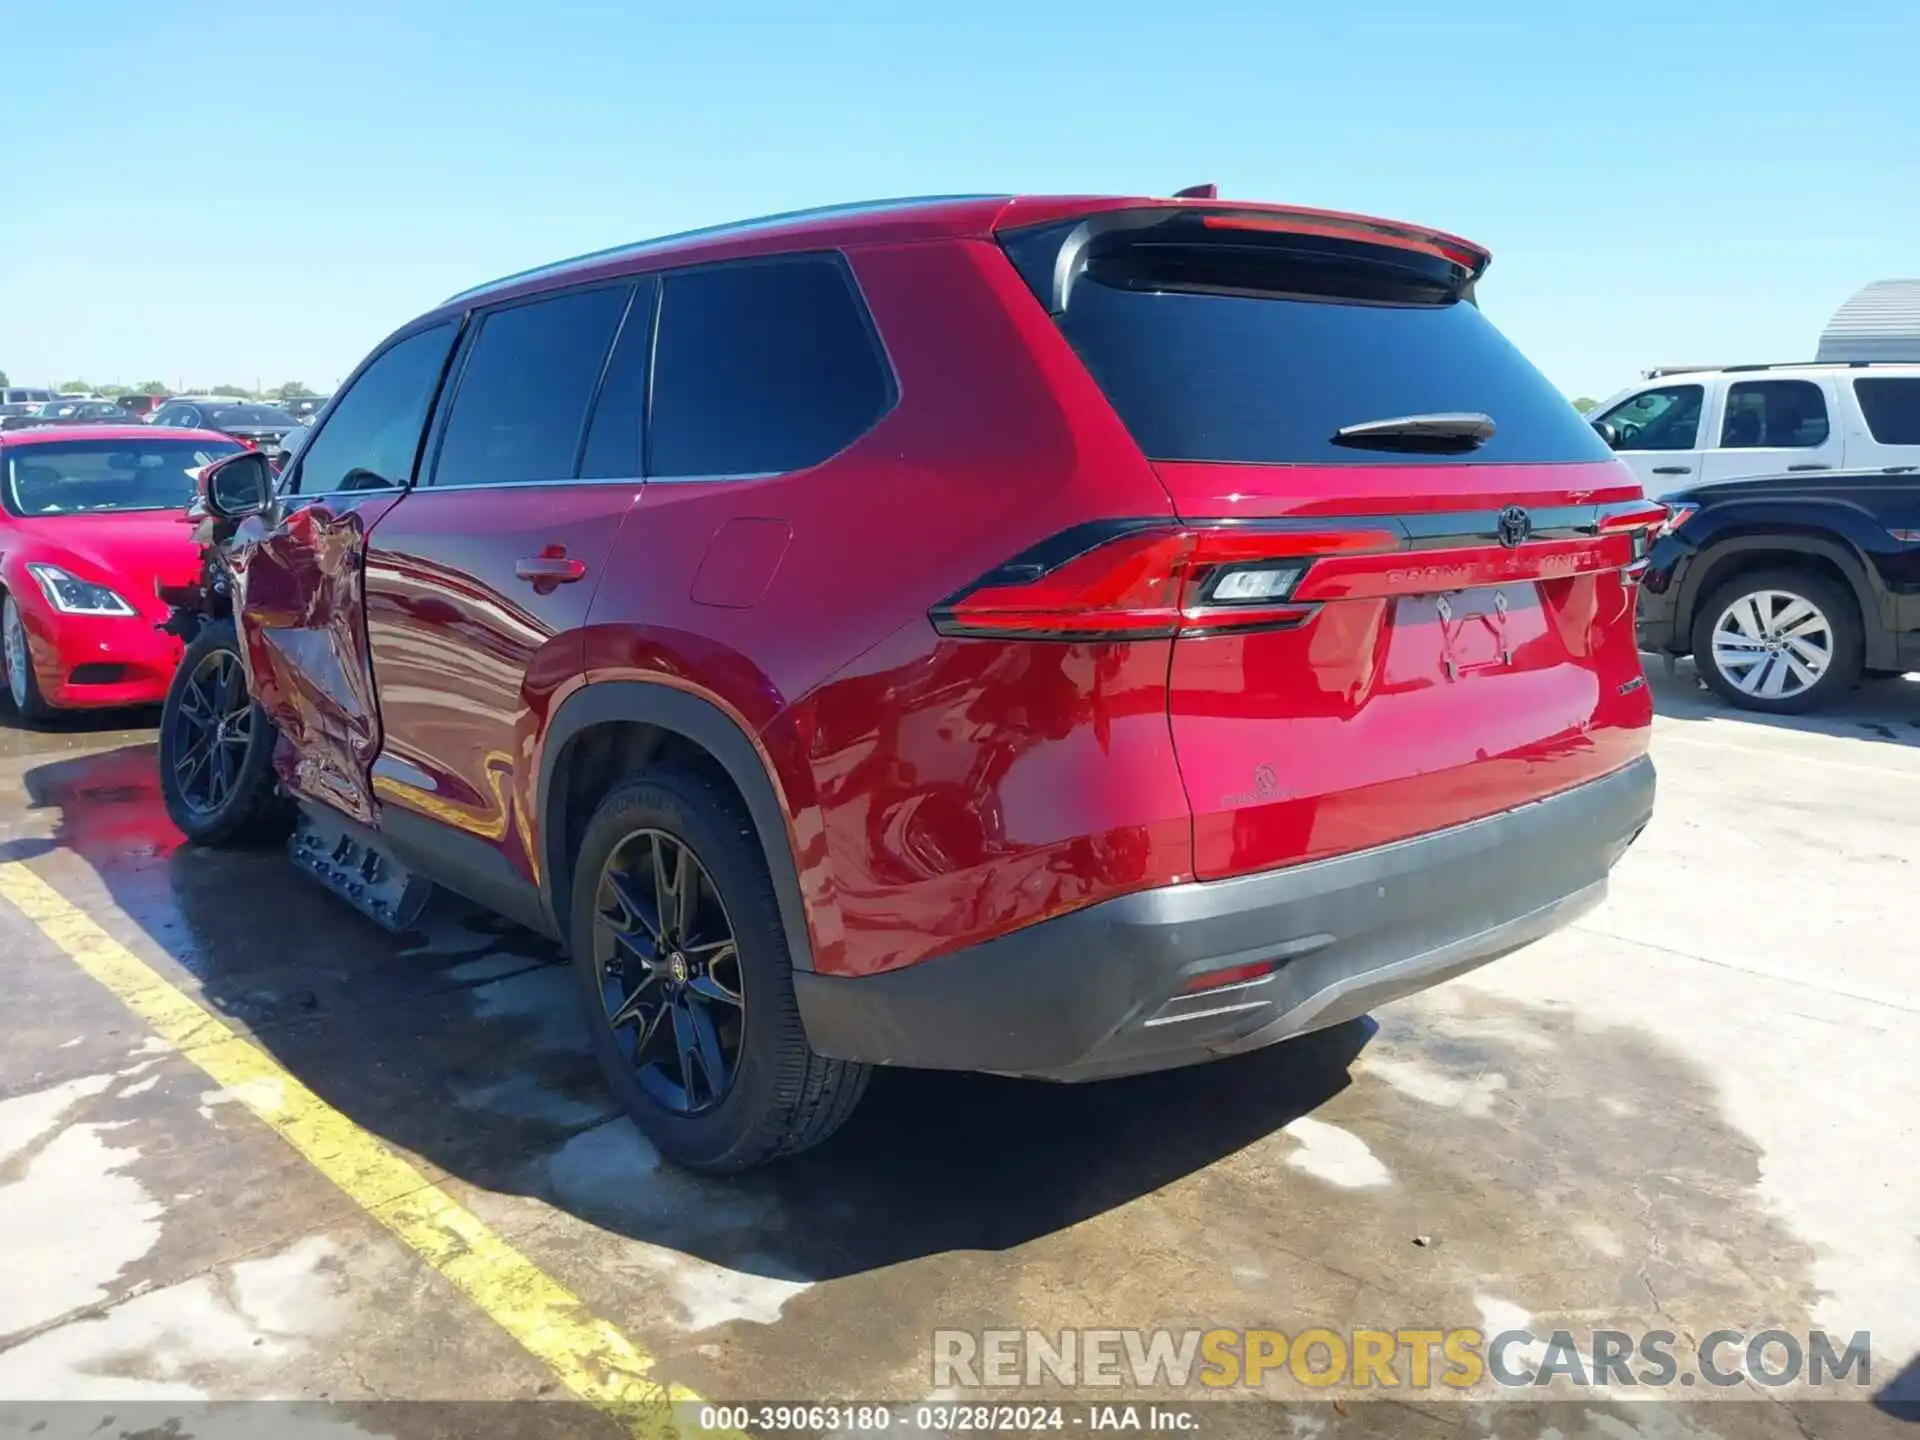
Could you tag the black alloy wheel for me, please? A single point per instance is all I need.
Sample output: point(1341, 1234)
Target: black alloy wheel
point(213, 731)
point(668, 964)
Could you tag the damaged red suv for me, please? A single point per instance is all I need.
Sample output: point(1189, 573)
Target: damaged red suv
point(1062, 637)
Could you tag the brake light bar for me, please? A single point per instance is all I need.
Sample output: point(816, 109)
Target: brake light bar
point(1141, 580)
point(1333, 227)
point(1635, 515)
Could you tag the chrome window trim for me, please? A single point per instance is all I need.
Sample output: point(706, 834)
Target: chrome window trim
point(720, 479)
point(634, 481)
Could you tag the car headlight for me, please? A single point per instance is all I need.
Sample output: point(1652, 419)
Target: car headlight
point(76, 597)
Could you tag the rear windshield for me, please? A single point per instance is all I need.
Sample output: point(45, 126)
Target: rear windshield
point(77, 476)
point(1891, 405)
point(249, 415)
point(1256, 348)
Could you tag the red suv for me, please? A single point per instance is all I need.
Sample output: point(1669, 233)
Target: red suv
point(1063, 637)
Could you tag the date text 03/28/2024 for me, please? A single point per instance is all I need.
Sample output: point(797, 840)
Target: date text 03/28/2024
point(946, 1418)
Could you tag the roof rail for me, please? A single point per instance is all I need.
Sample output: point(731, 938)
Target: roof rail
point(1809, 365)
point(1659, 370)
point(732, 227)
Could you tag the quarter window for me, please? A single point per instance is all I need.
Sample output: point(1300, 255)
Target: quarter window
point(1664, 419)
point(525, 389)
point(1774, 414)
point(762, 368)
point(1892, 407)
point(370, 439)
point(613, 435)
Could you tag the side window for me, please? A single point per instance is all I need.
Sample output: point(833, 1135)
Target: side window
point(524, 390)
point(1788, 414)
point(613, 435)
point(1892, 408)
point(370, 439)
point(761, 368)
point(1664, 419)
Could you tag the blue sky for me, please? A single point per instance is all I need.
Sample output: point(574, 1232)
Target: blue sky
point(237, 193)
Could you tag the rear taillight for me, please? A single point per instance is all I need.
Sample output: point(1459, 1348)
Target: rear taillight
point(1634, 515)
point(1677, 516)
point(1643, 522)
point(1139, 580)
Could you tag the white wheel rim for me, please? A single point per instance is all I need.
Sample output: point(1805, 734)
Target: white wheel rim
point(16, 643)
point(1773, 644)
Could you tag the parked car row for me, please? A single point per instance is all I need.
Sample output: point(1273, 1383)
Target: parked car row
point(69, 412)
point(259, 426)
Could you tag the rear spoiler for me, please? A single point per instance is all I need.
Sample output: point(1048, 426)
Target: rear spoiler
point(1070, 262)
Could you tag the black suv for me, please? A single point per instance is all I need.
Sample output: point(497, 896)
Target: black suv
point(1786, 590)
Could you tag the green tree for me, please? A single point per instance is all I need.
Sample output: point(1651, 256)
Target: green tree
point(76, 387)
point(1585, 403)
point(149, 387)
point(235, 392)
point(290, 390)
point(3, 378)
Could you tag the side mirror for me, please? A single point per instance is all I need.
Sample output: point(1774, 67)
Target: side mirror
point(238, 486)
point(1604, 429)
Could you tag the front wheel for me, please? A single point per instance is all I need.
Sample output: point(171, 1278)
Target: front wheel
point(1779, 641)
point(216, 749)
point(23, 686)
point(686, 981)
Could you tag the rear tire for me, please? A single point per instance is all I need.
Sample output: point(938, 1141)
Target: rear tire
point(23, 686)
point(1781, 642)
point(216, 749)
point(762, 1093)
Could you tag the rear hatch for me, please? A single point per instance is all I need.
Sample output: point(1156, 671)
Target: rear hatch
point(1405, 565)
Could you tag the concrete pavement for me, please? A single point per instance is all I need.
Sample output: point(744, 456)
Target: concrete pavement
point(1696, 1110)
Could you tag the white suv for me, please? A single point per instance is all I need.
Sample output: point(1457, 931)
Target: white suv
point(1684, 427)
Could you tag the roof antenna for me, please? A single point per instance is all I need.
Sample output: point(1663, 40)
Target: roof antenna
point(1208, 191)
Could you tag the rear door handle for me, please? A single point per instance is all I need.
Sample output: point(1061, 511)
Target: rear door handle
point(1792, 468)
point(1673, 469)
point(558, 569)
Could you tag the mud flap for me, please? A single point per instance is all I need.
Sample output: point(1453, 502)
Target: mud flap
point(349, 861)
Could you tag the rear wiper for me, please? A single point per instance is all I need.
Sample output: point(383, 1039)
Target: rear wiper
point(1444, 433)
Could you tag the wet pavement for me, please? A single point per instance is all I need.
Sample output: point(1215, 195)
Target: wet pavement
point(1695, 1111)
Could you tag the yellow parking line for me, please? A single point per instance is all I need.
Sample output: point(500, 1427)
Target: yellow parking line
point(592, 1358)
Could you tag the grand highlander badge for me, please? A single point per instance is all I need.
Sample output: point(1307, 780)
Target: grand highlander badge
point(1515, 526)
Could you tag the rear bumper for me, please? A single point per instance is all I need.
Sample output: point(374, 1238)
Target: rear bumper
point(1098, 992)
point(1656, 614)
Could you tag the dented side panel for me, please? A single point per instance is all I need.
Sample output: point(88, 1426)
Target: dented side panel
point(299, 596)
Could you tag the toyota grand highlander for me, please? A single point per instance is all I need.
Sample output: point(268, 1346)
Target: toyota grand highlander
point(1062, 637)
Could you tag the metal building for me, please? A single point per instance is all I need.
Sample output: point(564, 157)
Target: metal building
point(1881, 322)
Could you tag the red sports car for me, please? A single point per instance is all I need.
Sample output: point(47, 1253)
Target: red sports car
point(92, 521)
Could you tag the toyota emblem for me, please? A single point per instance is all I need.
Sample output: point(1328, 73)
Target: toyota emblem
point(1515, 526)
